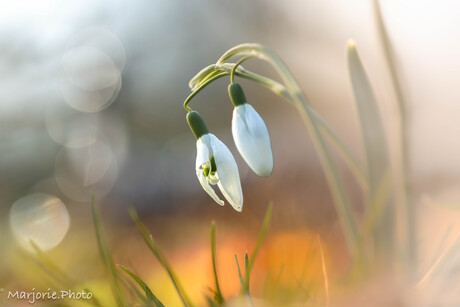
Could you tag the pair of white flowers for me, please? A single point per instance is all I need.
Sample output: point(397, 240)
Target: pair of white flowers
point(215, 163)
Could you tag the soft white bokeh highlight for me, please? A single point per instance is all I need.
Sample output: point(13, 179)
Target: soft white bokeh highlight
point(41, 218)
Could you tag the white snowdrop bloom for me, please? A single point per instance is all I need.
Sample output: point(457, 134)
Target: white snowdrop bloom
point(250, 134)
point(215, 164)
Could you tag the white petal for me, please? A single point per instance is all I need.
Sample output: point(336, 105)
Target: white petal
point(227, 170)
point(202, 151)
point(252, 139)
point(205, 184)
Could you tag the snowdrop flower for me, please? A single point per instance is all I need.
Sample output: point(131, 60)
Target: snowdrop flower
point(250, 133)
point(215, 164)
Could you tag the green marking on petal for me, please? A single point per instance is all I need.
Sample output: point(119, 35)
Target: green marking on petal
point(213, 164)
point(206, 170)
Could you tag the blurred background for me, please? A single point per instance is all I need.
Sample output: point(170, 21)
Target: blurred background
point(91, 99)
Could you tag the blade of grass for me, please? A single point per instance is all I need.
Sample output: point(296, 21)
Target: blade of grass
point(54, 271)
point(379, 202)
point(323, 266)
point(376, 149)
point(250, 263)
point(246, 273)
point(105, 254)
point(160, 257)
point(132, 289)
point(263, 232)
point(152, 300)
point(271, 286)
point(239, 272)
point(218, 295)
point(57, 275)
point(210, 301)
point(453, 247)
point(407, 206)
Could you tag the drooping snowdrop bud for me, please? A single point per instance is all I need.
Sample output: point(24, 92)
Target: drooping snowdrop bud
point(250, 133)
point(215, 164)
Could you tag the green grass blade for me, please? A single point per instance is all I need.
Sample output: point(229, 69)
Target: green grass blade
point(218, 294)
point(210, 301)
point(371, 122)
point(249, 263)
point(379, 202)
point(407, 207)
point(375, 144)
point(131, 288)
point(53, 270)
point(152, 300)
point(160, 257)
point(440, 261)
point(105, 254)
point(239, 272)
point(372, 220)
point(56, 274)
point(263, 232)
point(324, 271)
point(247, 271)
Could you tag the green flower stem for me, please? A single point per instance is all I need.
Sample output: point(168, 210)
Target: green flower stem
point(232, 74)
point(200, 76)
point(331, 171)
point(199, 88)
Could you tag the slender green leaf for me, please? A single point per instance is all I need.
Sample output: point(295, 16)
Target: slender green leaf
point(247, 271)
point(59, 277)
point(440, 261)
point(371, 122)
point(160, 257)
point(249, 263)
point(105, 254)
point(375, 144)
point(239, 272)
point(407, 205)
point(152, 300)
point(210, 301)
point(218, 294)
point(53, 270)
